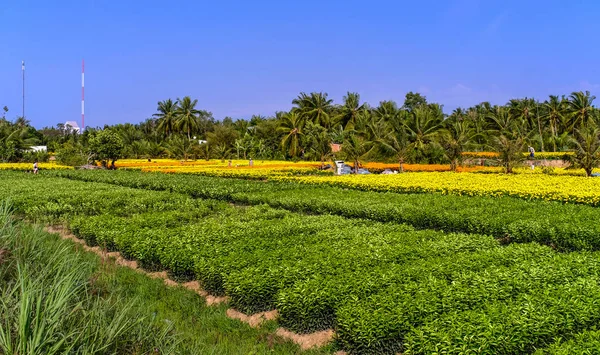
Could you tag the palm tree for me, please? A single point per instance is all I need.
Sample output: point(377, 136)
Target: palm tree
point(523, 109)
point(187, 116)
point(586, 144)
point(179, 147)
point(21, 122)
point(315, 107)
point(510, 150)
point(166, 116)
point(580, 109)
point(351, 110)
point(554, 110)
point(292, 125)
point(317, 141)
point(387, 111)
point(395, 143)
point(242, 126)
point(501, 119)
point(422, 128)
point(222, 151)
point(454, 139)
point(356, 147)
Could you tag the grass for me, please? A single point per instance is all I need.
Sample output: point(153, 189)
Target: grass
point(56, 298)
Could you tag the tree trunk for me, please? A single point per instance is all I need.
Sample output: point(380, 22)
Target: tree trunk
point(553, 129)
point(355, 166)
point(540, 131)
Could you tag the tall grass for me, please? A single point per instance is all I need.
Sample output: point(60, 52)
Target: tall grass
point(47, 303)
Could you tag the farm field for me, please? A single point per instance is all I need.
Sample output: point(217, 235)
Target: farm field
point(389, 272)
point(563, 185)
point(81, 303)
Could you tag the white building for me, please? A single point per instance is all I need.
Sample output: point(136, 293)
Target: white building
point(38, 148)
point(72, 126)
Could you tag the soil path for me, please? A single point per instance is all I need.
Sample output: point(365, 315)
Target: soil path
point(305, 341)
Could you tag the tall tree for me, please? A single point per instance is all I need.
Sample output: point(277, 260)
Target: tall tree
point(167, 116)
point(586, 145)
point(187, 116)
point(395, 143)
point(315, 107)
point(580, 109)
point(351, 110)
point(317, 141)
point(292, 125)
point(454, 139)
point(356, 147)
point(107, 146)
point(387, 111)
point(413, 100)
point(553, 112)
point(422, 128)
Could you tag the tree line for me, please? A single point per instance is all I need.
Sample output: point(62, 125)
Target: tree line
point(417, 131)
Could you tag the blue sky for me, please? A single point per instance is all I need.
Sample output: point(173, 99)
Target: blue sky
point(253, 57)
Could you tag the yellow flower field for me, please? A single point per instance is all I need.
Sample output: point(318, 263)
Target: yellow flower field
point(29, 166)
point(569, 189)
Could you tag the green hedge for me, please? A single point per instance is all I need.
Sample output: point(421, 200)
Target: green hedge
point(385, 287)
point(565, 227)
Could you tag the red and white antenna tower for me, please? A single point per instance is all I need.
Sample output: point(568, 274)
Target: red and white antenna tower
point(82, 95)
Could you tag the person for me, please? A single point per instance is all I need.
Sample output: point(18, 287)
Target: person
point(251, 162)
point(35, 167)
point(229, 163)
point(531, 153)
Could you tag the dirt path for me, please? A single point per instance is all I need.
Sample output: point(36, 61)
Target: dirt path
point(305, 341)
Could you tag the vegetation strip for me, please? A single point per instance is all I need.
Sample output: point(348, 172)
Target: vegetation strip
point(144, 317)
point(563, 226)
point(378, 285)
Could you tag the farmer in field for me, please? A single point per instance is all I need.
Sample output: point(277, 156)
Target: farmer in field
point(531, 153)
point(35, 167)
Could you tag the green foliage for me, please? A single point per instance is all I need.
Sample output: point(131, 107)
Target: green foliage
point(106, 146)
point(383, 286)
point(586, 146)
point(49, 306)
point(71, 155)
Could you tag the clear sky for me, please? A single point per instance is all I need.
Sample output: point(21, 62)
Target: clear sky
point(240, 58)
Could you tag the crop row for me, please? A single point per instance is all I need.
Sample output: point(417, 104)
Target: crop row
point(383, 287)
point(562, 188)
point(563, 226)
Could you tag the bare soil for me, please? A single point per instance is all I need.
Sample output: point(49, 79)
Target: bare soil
point(307, 341)
point(253, 320)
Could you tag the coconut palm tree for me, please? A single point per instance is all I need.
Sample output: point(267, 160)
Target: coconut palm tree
point(454, 139)
point(510, 149)
point(222, 151)
point(586, 145)
point(580, 109)
point(396, 143)
point(187, 116)
point(179, 147)
point(422, 127)
point(387, 111)
point(554, 110)
point(166, 116)
point(315, 107)
point(317, 142)
point(292, 125)
point(350, 110)
point(356, 147)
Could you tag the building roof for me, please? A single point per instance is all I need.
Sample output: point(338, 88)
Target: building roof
point(73, 124)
